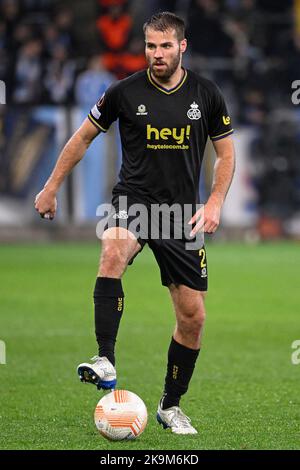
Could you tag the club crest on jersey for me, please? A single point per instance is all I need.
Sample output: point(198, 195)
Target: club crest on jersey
point(142, 110)
point(194, 113)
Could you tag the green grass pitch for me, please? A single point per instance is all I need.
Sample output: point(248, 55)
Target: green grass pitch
point(245, 390)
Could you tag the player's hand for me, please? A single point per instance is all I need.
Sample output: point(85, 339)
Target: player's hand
point(207, 218)
point(46, 204)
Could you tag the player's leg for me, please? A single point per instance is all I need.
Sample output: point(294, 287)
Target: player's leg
point(118, 247)
point(182, 356)
point(108, 294)
point(189, 306)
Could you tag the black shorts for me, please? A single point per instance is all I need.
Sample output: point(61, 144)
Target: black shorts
point(178, 264)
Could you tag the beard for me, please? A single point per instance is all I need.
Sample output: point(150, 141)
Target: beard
point(165, 73)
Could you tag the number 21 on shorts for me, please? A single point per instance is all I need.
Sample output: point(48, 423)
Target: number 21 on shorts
point(203, 265)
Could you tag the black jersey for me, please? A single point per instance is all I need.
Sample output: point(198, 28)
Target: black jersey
point(163, 134)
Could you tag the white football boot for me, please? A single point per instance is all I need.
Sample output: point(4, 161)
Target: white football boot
point(102, 373)
point(176, 420)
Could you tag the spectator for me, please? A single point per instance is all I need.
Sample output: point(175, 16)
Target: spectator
point(206, 31)
point(114, 28)
point(60, 75)
point(28, 73)
point(253, 107)
point(92, 83)
point(10, 14)
point(3, 51)
point(64, 24)
point(291, 50)
point(123, 64)
point(23, 32)
point(133, 59)
point(52, 39)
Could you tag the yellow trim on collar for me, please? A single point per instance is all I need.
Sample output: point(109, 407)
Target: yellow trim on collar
point(160, 88)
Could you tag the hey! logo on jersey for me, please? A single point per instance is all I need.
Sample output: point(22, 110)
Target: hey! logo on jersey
point(178, 135)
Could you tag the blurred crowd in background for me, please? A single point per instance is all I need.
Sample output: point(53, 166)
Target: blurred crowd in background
point(67, 52)
point(48, 46)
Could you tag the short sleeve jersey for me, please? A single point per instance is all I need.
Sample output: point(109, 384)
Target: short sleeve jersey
point(163, 134)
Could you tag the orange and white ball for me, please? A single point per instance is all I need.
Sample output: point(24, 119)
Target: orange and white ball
point(121, 415)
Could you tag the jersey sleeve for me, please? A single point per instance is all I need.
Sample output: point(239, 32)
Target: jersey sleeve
point(219, 121)
point(106, 110)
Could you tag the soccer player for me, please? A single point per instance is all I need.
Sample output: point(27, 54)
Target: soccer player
point(166, 113)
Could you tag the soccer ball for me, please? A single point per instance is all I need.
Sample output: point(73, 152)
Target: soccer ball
point(121, 415)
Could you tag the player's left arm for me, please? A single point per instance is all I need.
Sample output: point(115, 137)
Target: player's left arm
point(208, 218)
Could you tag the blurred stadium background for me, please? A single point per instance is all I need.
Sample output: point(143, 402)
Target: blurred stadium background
point(56, 59)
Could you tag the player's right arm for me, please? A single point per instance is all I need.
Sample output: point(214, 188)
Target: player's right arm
point(72, 153)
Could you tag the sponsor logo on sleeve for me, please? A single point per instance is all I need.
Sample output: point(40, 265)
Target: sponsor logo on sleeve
point(226, 120)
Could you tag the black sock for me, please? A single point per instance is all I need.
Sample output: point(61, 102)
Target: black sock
point(109, 302)
point(181, 364)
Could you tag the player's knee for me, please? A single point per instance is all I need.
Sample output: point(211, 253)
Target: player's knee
point(192, 319)
point(113, 261)
point(201, 315)
point(198, 315)
point(197, 321)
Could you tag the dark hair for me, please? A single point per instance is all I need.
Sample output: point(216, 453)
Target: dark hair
point(164, 21)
